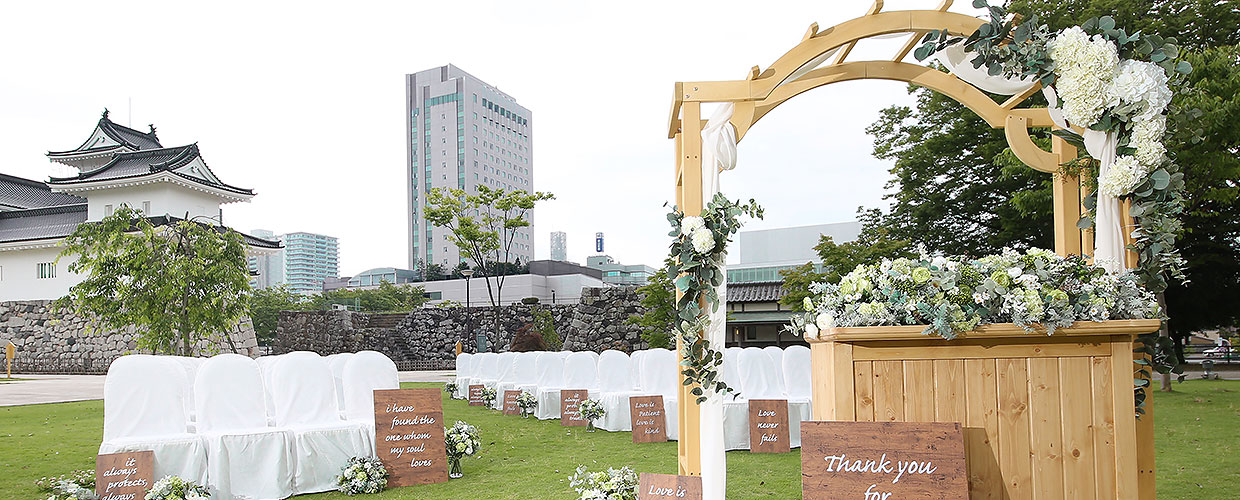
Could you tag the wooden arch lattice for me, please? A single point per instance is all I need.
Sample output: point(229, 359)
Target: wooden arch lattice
point(821, 59)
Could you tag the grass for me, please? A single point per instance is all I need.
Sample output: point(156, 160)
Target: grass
point(5, 380)
point(1197, 434)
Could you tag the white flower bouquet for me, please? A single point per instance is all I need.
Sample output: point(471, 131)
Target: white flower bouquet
point(488, 396)
point(591, 410)
point(612, 484)
point(528, 403)
point(460, 440)
point(951, 295)
point(77, 485)
point(175, 488)
point(362, 475)
point(450, 388)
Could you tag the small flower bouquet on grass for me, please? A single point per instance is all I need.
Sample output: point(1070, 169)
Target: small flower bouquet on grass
point(612, 484)
point(450, 388)
point(591, 410)
point(175, 488)
point(362, 475)
point(460, 440)
point(77, 485)
point(488, 396)
point(528, 403)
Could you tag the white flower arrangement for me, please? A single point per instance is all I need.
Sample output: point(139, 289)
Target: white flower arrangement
point(461, 440)
point(612, 484)
point(955, 295)
point(1084, 68)
point(591, 410)
point(488, 396)
point(362, 475)
point(175, 488)
point(78, 485)
point(450, 387)
point(527, 402)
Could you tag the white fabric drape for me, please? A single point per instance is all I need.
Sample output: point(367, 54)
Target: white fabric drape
point(718, 154)
point(1109, 248)
point(959, 62)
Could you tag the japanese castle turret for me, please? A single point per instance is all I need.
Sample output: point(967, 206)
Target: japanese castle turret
point(116, 166)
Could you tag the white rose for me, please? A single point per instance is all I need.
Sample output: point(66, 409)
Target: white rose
point(703, 240)
point(1014, 272)
point(811, 331)
point(691, 224)
point(825, 321)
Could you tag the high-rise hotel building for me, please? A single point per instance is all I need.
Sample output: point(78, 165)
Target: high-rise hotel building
point(462, 133)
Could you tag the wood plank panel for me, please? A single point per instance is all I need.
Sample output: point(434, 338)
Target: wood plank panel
point(1046, 424)
point(1076, 407)
point(981, 434)
point(863, 378)
point(919, 392)
point(949, 402)
point(1014, 439)
point(1103, 426)
point(980, 349)
point(1012, 332)
point(822, 384)
point(888, 391)
point(1126, 473)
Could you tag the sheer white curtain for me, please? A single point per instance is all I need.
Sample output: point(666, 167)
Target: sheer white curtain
point(144, 409)
point(245, 457)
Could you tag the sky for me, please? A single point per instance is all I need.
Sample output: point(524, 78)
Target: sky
point(304, 103)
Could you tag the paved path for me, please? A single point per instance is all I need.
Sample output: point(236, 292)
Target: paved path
point(61, 388)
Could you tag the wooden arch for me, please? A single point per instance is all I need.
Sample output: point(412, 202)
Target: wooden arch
point(820, 58)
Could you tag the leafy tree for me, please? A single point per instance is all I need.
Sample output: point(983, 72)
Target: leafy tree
point(658, 297)
point(484, 227)
point(433, 272)
point(265, 307)
point(386, 298)
point(874, 243)
point(544, 324)
point(178, 282)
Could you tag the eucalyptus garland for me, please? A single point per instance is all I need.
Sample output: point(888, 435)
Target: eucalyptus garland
point(698, 254)
point(1112, 81)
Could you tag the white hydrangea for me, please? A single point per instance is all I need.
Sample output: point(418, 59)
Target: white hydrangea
point(1084, 68)
point(1123, 176)
point(1147, 139)
point(1141, 83)
point(825, 321)
point(703, 240)
point(691, 224)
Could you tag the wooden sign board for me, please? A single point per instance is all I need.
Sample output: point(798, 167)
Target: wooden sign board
point(570, 407)
point(124, 476)
point(409, 436)
point(648, 419)
point(10, 351)
point(667, 486)
point(510, 403)
point(475, 395)
point(882, 461)
point(768, 426)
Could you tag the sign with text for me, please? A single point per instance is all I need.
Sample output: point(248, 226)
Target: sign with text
point(667, 486)
point(882, 461)
point(510, 403)
point(475, 395)
point(409, 436)
point(124, 476)
point(570, 407)
point(768, 426)
point(648, 419)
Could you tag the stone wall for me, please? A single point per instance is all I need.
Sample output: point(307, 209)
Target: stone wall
point(48, 342)
point(426, 338)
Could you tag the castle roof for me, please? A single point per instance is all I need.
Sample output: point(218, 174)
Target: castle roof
point(184, 162)
point(110, 137)
point(17, 193)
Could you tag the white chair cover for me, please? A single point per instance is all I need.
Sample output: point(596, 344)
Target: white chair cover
point(659, 377)
point(265, 364)
point(487, 369)
point(757, 371)
point(306, 404)
point(777, 358)
point(366, 372)
point(580, 372)
point(735, 407)
point(550, 367)
point(464, 370)
point(144, 409)
point(190, 365)
point(504, 364)
point(797, 373)
point(614, 389)
point(635, 368)
point(522, 373)
point(245, 458)
point(564, 354)
point(337, 362)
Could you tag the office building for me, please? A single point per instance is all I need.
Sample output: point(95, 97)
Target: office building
point(307, 261)
point(615, 273)
point(765, 252)
point(559, 246)
point(462, 133)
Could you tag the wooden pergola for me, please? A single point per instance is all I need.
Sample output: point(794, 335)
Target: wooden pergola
point(821, 58)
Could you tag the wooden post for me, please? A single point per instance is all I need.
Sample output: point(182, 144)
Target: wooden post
point(1067, 202)
point(689, 200)
point(10, 351)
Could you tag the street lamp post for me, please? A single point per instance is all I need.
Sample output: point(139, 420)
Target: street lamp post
point(468, 273)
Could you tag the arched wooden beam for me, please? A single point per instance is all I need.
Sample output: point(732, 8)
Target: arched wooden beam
point(1016, 129)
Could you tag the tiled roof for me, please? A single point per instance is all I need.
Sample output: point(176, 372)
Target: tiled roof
point(19, 193)
point(132, 138)
point(140, 163)
point(41, 223)
point(766, 291)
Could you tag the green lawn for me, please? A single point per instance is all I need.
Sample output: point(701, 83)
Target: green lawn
point(1198, 435)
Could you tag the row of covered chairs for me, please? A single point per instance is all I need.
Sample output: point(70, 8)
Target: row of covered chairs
point(614, 376)
point(268, 428)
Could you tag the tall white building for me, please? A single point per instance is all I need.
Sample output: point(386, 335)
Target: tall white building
point(305, 263)
point(559, 246)
point(117, 166)
point(462, 132)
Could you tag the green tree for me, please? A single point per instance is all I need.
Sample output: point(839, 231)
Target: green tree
point(265, 307)
point(387, 298)
point(658, 298)
point(484, 226)
point(178, 282)
point(544, 324)
point(837, 259)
